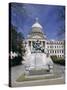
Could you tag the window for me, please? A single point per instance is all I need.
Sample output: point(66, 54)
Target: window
point(62, 51)
point(47, 46)
point(50, 51)
point(50, 46)
point(55, 51)
point(55, 46)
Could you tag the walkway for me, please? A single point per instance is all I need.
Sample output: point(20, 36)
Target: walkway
point(18, 70)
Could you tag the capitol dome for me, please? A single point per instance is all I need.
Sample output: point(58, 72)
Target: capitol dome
point(36, 30)
point(36, 24)
point(36, 27)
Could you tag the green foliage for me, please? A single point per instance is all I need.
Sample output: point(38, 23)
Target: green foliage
point(13, 39)
point(16, 40)
point(16, 45)
point(16, 61)
point(54, 57)
point(56, 60)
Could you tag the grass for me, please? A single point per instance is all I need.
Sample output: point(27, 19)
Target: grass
point(24, 78)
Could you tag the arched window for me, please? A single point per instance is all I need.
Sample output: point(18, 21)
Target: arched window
point(47, 46)
point(62, 51)
point(55, 51)
point(50, 46)
point(55, 46)
point(50, 51)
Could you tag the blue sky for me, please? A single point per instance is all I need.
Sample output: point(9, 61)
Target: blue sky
point(23, 16)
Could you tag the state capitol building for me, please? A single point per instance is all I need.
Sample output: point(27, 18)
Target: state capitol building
point(53, 47)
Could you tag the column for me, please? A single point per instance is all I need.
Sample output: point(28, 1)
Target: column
point(31, 45)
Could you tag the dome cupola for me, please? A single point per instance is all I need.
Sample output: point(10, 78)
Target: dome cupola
point(36, 30)
point(36, 24)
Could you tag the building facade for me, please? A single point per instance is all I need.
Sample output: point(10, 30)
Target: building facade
point(53, 47)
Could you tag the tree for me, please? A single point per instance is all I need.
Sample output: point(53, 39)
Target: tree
point(13, 39)
point(16, 45)
point(20, 45)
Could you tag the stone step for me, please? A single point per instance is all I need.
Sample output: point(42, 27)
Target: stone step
point(38, 72)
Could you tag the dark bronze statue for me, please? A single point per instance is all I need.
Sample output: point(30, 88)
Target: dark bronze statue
point(37, 46)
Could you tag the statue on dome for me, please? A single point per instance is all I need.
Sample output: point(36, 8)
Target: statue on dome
point(36, 19)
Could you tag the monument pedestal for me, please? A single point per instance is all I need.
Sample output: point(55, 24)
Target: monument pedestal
point(37, 62)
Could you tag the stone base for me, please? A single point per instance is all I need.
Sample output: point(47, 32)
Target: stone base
point(38, 72)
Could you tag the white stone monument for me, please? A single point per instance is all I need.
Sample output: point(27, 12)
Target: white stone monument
point(37, 60)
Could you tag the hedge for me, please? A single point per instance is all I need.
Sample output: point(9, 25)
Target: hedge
point(60, 61)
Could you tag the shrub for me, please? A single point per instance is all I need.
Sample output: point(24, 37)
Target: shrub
point(16, 61)
point(56, 60)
